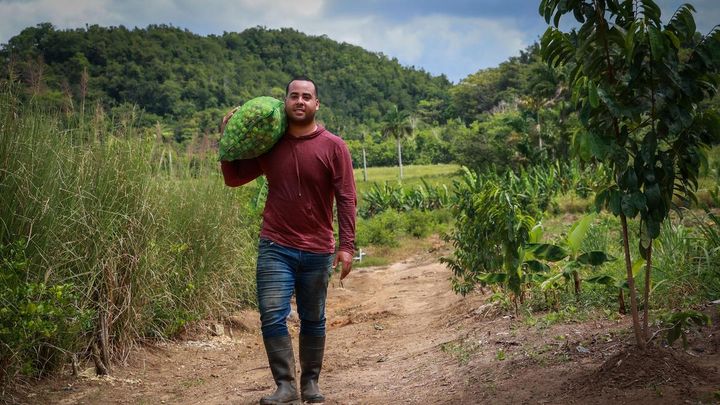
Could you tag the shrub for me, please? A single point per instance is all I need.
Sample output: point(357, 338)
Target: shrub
point(38, 322)
point(419, 224)
point(383, 229)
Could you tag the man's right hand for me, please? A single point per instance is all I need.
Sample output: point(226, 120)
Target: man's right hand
point(227, 118)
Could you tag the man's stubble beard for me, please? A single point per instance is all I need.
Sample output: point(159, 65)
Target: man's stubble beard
point(308, 119)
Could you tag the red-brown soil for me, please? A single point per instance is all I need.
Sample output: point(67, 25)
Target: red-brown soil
point(398, 334)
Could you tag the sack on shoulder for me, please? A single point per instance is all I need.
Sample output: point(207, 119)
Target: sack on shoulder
point(254, 129)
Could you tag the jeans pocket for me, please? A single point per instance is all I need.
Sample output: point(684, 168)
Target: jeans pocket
point(265, 242)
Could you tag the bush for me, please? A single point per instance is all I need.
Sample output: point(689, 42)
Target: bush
point(383, 229)
point(419, 224)
point(37, 321)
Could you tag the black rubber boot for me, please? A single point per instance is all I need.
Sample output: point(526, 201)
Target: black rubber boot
point(312, 349)
point(282, 364)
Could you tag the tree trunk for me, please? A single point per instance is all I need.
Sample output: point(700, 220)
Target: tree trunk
point(631, 284)
point(364, 165)
point(100, 368)
point(539, 128)
point(399, 148)
point(646, 293)
point(576, 279)
point(621, 300)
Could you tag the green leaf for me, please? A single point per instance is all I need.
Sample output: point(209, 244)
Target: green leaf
point(650, 227)
point(578, 232)
point(537, 267)
point(604, 279)
point(637, 267)
point(493, 278)
point(615, 202)
point(514, 280)
point(653, 196)
point(609, 102)
point(629, 180)
point(657, 44)
point(644, 244)
point(595, 258)
point(593, 95)
point(630, 40)
point(550, 282)
point(633, 203)
point(673, 38)
point(649, 148)
point(679, 321)
point(546, 251)
point(536, 233)
point(608, 198)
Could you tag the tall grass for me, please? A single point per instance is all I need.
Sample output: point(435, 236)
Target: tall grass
point(686, 270)
point(101, 246)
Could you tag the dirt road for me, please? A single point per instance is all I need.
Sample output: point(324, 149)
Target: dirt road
point(398, 334)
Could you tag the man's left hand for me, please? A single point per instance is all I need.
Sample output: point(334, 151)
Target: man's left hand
point(346, 260)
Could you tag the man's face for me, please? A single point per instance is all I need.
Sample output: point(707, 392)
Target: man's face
point(301, 103)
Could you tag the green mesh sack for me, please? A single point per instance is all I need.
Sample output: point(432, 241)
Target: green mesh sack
point(253, 129)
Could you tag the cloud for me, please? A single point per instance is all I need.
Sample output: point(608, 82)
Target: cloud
point(216, 15)
point(452, 37)
point(455, 46)
point(440, 43)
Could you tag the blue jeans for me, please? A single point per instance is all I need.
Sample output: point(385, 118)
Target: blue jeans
point(282, 270)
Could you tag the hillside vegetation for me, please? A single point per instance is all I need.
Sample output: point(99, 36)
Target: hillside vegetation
point(186, 81)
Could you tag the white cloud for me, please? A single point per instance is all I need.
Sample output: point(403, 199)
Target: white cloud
point(284, 8)
point(456, 45)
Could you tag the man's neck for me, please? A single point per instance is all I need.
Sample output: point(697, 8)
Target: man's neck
point(302, 130)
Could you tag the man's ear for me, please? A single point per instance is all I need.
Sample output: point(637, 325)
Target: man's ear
point(318, 105)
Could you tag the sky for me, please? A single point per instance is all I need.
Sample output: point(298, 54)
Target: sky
point(451, 37)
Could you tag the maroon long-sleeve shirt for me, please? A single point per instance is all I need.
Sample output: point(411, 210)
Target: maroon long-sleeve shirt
point(304, 175)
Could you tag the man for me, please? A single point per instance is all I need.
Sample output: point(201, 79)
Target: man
point(305, 170)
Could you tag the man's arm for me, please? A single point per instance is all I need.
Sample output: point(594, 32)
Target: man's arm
point(345, 196)
point(239, 172)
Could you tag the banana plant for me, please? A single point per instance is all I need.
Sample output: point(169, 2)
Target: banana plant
point(569, 251)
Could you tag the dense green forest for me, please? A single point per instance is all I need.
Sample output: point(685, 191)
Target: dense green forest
point(187, 80)
point(180, 84)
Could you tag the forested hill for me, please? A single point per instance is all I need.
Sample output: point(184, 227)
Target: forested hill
point(177, 76)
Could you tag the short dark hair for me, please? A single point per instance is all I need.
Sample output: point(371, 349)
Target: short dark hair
point(302, 79)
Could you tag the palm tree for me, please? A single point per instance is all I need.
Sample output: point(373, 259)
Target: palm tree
point(397, 124)
point(545, 89)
